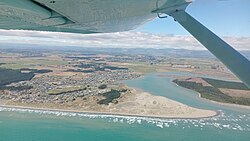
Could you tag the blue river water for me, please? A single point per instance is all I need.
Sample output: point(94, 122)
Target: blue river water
point(233, 124)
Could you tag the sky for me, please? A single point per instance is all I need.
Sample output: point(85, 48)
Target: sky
point(224, 17)
point(230, 19)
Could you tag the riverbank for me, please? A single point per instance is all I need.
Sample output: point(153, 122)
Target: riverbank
point(217, 90)
point(226, 104)
point(137, 104)
point(221, 103)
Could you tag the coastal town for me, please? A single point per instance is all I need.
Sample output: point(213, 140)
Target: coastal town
point(63, 89)
point(61, 78)
point(94, 81)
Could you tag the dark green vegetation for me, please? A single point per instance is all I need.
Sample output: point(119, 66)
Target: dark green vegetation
point(213, 93)
point(79, 70)
point(100, 67)
point(110, 97)
point(2, 64)
point(8, 76)
point(85, 57)
point(103, 86)
point(36, 71)
point(114, 68)
point(226, 84)
point(13, 88)
point(90, 68)
point(66, 90)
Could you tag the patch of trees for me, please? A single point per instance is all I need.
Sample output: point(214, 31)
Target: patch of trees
point(13, 88)
point(36, 71)
point(114, 68)
point(66, 92)
point(89, 57)
point(109, 97)
point(8, 76)
point(212, 93)
point(226, 84)
point(103, 86)
point(87, 65)
point(78, 70)
point(95, 67)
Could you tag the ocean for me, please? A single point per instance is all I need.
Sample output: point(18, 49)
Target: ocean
point(233, 124)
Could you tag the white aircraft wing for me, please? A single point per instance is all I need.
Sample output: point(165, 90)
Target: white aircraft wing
point(102, 16)
point(77, 16)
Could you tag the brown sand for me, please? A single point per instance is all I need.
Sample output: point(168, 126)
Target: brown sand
point(136, 103)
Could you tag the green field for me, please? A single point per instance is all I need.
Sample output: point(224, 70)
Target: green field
point(30, 63)
point(145, 67)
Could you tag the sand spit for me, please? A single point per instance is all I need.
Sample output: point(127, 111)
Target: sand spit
point(137, 103)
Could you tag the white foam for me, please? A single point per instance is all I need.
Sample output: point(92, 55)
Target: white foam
point(159, 124)
point(230, 122)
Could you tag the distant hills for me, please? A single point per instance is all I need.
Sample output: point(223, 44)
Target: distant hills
point(169, 52)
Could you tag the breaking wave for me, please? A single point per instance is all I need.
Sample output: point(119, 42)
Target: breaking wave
point(222, 121)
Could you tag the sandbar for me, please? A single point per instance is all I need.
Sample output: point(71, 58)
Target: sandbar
point(136, 103)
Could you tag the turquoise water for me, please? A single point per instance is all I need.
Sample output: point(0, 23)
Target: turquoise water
point(233, 124)
point(163, 86)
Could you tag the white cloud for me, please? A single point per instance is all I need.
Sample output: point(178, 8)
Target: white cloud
point(119, 39)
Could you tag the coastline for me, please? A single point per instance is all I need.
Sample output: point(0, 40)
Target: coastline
point(103, 113)
point(136, 104)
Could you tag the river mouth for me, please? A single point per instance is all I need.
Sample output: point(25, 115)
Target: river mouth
point(161, 84)
point(230, 125)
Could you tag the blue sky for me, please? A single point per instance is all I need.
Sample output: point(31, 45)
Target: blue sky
point(224, 17)
point(230, 19)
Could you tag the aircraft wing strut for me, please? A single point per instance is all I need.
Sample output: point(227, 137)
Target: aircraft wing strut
point(236, 62)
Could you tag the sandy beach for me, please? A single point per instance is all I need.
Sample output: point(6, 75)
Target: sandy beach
point(136, 103)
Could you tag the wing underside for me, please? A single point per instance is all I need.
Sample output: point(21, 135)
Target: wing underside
point(77, 16)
